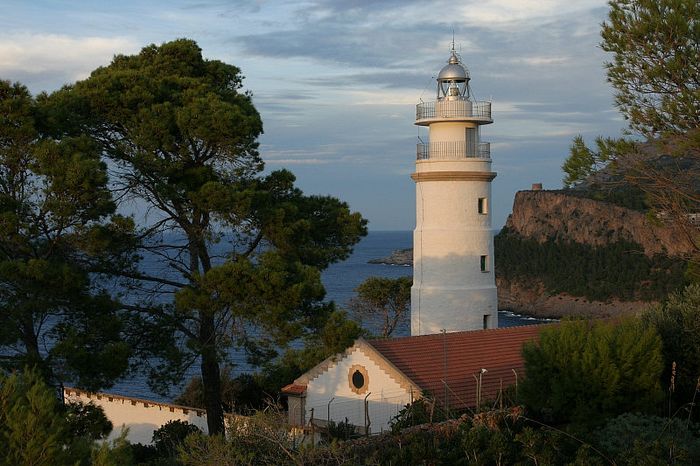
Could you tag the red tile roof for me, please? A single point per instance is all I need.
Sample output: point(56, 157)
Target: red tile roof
point(294, 389)
point(457, 357)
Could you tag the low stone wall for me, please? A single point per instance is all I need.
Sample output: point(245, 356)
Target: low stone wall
point(141, 417)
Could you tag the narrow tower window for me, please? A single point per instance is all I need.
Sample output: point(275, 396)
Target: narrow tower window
point(471, 138)
point(483, 206)
point(484, 263)
point(487, 321)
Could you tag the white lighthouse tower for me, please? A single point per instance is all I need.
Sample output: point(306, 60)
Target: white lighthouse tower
point(454, 284)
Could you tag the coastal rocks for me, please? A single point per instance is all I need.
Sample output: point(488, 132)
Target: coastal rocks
point(403, 257)
point(532, 299)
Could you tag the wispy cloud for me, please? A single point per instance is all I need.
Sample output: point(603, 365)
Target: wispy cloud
point(35, 58)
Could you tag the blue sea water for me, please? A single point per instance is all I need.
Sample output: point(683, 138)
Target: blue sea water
point(340, 281)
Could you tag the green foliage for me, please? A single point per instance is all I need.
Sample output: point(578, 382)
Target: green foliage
point(616, 193)
point(587, 371)
point(118, 452)
point(582, 161)
point(57, 228)
point(168, 438)
point(616, 270)
point(421, 411)
point(636, 439)
point(343, 430)
point(241, 251)
point(35, 429)
point(385, 299)
point(654, 71)
point(490, 438)
point(31, 431)
point(240, 394)
point(87, 420)
point(655, 68)
point(201, 450)
point(678, 323)
point(263, 438)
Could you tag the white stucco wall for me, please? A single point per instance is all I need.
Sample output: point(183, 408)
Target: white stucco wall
point(386, 396)
point(450, 291)
point(141, 417)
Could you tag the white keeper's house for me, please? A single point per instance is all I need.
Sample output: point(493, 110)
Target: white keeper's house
point(370, 382)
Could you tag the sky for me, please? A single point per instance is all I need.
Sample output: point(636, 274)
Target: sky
point(336, 82)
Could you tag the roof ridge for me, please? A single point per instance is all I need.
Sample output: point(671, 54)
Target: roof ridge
point(471, 332)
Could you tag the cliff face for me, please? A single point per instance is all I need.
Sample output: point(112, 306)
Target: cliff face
point(556, 217)
point(530, 298)
point(544, 215)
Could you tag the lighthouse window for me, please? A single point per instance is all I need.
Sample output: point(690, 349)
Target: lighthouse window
point(484, 263)
point(471, 139)
point(483, 206)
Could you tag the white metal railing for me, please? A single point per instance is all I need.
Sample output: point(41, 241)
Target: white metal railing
point(456, 109)
point(452, 150)
point(484, 150)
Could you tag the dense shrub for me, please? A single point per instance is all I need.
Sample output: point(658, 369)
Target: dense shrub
point(587, 371)
point(678, 323)
point(634, 439)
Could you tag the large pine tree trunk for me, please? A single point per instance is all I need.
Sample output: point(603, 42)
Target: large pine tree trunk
point(211, 378)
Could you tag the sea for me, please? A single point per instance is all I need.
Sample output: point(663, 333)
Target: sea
point(340, 280)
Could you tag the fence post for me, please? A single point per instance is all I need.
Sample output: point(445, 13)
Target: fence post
point(367, 420)
point(328, 410)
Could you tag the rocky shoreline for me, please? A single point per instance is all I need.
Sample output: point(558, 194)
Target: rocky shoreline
point(403, 257)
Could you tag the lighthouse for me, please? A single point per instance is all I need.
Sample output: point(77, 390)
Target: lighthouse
point(454, 284)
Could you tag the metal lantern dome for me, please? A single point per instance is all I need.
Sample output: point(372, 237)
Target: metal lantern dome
point(453, 80)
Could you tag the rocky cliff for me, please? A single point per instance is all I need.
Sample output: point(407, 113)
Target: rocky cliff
point(547, 215)
point(558, 221)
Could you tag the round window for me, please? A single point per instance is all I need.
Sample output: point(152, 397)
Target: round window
point(358, 380)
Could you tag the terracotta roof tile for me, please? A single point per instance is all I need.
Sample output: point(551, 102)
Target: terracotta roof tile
point(457, 358)
point(294, 389)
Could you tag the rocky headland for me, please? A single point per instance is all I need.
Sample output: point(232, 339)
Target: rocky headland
point(558, 220)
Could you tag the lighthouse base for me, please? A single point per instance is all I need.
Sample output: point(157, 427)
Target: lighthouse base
point(434, 309)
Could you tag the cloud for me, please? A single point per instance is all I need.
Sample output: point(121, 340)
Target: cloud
point(297, 161)
point(542, 60)
point(54, 59)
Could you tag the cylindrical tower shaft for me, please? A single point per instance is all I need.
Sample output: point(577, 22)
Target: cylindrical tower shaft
point(453, 277)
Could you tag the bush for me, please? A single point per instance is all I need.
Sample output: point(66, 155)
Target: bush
point(419, 412)
point(587, 371)
point(171, 435)
point(678, 323)
point(87, 420)
point(633, 439)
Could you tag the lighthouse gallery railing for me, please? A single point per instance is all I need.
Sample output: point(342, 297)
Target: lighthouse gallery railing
point(452, 151)
point(456, 109)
